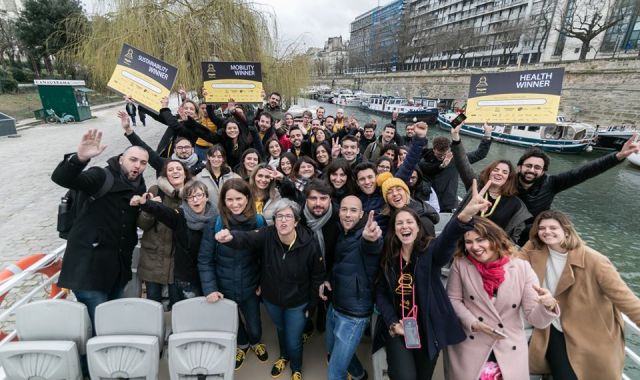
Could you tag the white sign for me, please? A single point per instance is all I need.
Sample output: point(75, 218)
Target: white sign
point(58, 82)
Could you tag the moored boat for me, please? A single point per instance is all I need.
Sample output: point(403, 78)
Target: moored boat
point(424, 110)
point(634, 158)
point(563, 137)
point(613, 138)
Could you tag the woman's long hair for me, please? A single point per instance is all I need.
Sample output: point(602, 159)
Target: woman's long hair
point(242, 187)
point(240, 169)
point(334, 166)
point(498, 239)
point(392, 244)
point(510, 188)
point(572, 239)
point(224, 168)
point(269, 192)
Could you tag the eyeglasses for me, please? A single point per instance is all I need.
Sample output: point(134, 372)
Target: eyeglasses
point(535, 167)
point(285, 217)
point(196, 197)
point(183, 148)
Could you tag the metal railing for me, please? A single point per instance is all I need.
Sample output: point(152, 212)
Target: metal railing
point(49, 259)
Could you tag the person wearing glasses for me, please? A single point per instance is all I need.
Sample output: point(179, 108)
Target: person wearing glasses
point(188, 222)
point(537, 189)
point(292, 270)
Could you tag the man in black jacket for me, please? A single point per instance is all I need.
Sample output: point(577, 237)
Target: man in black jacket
point(97, 261)
point(352, 277)
point(438, 166)
point(537, 189)
point(318, 214)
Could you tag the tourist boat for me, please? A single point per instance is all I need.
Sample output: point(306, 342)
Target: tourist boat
point(613, 138)
point(426, 109)
point(634, 158)
point(365, 99)
point(563, 137)
point(346, 100)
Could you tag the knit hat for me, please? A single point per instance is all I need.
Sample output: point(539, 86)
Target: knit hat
point(387, 181)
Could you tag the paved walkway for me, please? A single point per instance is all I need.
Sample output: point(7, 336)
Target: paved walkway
point(28, 211)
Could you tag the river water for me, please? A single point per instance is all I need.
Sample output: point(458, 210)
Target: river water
point(605, 209)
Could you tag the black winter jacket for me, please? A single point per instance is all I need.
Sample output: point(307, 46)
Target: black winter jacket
point(288, 278)
point(101, 241)
point(157, 161)
point(445, 181)
point(233, 272)
point(353, 276)
point(437, 320)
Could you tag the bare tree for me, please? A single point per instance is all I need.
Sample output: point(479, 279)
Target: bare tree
point(586, 19)
point(542, 22)
point(8, 41)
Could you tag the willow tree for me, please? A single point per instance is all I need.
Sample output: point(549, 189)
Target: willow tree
point(185, 33)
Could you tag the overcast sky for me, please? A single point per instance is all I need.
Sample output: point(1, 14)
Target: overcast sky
point(310, 21)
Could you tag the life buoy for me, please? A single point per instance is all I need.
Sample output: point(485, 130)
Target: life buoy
point(24, 263)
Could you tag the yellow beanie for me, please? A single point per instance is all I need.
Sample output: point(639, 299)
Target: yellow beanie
point(390, 182)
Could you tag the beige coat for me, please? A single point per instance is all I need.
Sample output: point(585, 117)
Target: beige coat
point(591, 296)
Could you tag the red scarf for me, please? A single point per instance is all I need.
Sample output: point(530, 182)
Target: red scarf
point(492, 273)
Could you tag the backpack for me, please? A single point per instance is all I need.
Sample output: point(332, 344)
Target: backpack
point(75, 202)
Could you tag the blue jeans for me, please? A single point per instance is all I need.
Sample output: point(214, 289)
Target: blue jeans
point(93, 298)
point(342, 338)
point(249, 332)
point(290, 325)
point(154, 292)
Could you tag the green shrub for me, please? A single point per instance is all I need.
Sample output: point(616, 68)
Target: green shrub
point(8, 84)
point(18, 74)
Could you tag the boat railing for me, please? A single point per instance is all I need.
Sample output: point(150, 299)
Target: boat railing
point(14, 282)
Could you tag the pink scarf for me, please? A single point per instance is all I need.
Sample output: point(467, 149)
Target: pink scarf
point(492, 273)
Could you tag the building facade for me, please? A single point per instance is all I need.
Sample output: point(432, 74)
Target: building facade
point(432, 34)
point(376, 37)
point(332, 59)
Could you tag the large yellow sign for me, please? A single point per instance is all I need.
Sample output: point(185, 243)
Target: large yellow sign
point(240, 81)
point(143, 77)
point(520, 97)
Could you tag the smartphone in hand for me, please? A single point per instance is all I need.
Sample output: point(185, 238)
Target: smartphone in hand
point(458, 120)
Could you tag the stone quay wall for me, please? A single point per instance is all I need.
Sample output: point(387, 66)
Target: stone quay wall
point(603, 92)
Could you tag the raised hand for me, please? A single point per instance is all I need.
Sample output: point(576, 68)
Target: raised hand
point(224, 236)
point(631, 146)
point(455, 132)
point(335, 147)
point(477, 202)
point(545, 297)
point(204, 92)
point(447, 159)
point(421, 129)
point(372, 231)
point(182, 92)
point(214, 297)
point(231, 105)
point(394, 115)
point(276, 175)
point(182, 113)
point(487, 129)
point(124, 122)
point(90, 145)
point(164, 102)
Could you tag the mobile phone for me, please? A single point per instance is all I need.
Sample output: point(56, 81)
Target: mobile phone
point(500, 333)
point(458, 120)
point(411, 334)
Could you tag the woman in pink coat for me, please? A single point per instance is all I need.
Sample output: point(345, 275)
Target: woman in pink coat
point(488, 288)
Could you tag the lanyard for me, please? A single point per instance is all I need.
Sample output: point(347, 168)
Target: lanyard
point(413, 313)
point(495, 204)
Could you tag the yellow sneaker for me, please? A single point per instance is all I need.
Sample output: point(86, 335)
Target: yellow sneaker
point(296, 376)
point(261, 352)
point(241, 354)
point(278, 367)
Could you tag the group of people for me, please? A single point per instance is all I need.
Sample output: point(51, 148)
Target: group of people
point(326, 224)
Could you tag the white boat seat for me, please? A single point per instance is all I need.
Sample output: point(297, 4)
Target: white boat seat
point(203, 340)
point(129, 339)
point(130, 316)
point(54, 320)
point(42, 360)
